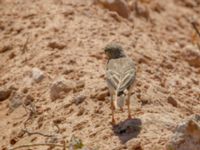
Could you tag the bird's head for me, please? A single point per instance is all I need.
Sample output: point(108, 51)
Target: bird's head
point(114, 50)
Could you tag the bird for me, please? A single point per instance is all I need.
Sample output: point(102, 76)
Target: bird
point(120, 76)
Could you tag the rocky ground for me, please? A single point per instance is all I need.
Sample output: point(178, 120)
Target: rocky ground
point(52, 66)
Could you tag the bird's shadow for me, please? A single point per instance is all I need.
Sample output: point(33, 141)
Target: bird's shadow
point(128, 129)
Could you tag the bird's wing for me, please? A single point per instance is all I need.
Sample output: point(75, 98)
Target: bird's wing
point(120, 82)
point(126, 80)
point(113, 79)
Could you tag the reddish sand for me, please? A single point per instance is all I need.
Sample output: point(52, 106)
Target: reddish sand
point(66, 38)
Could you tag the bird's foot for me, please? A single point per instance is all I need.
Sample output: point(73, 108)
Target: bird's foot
point(122, 109)
point(113, 122)
point(129, 117)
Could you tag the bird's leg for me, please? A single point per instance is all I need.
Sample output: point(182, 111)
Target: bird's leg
point(122, 109)
point(129, 107)
point(113, 111)
point(113, 107)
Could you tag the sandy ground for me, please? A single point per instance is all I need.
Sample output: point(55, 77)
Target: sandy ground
point(66, 39)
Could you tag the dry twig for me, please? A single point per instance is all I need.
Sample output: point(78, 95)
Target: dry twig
point(24, 48)
point(38, 133)
point(30, 112)
point(38, 144)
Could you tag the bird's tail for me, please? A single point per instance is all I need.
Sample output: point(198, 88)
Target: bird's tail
point(121, 100)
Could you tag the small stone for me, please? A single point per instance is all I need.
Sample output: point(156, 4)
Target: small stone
point(4, 94)
point(79, 99)
point(28, 100)
point(126, 33)
point(119, 6)
point(81, 111)
point(102, 95)
point(25, 90)
point(93, 95)
point(134, 144)
point(12, 55)
point(68, 71)
point(186, 135)
point(59, 120)
point(5, 48)
point(14, 140)
point(172, 101)
point(129, 126)
point(15, 101)
point(192, 56)
point(115, 16)
point(37, 75)
point(60, 87)
point(20, 134)
point(13, 87)
point(68, 12)
point(80, 84)
point(142, 10)
point(190, 3)
point(145, 99)
point(142, 60)
point(55, 44)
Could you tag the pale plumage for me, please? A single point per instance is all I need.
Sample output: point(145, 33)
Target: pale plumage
point(120, 75)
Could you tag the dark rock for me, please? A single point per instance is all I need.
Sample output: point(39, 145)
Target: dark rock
point(5, 48)
point(172, 101)
point(4, 94)
point(59, 120)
